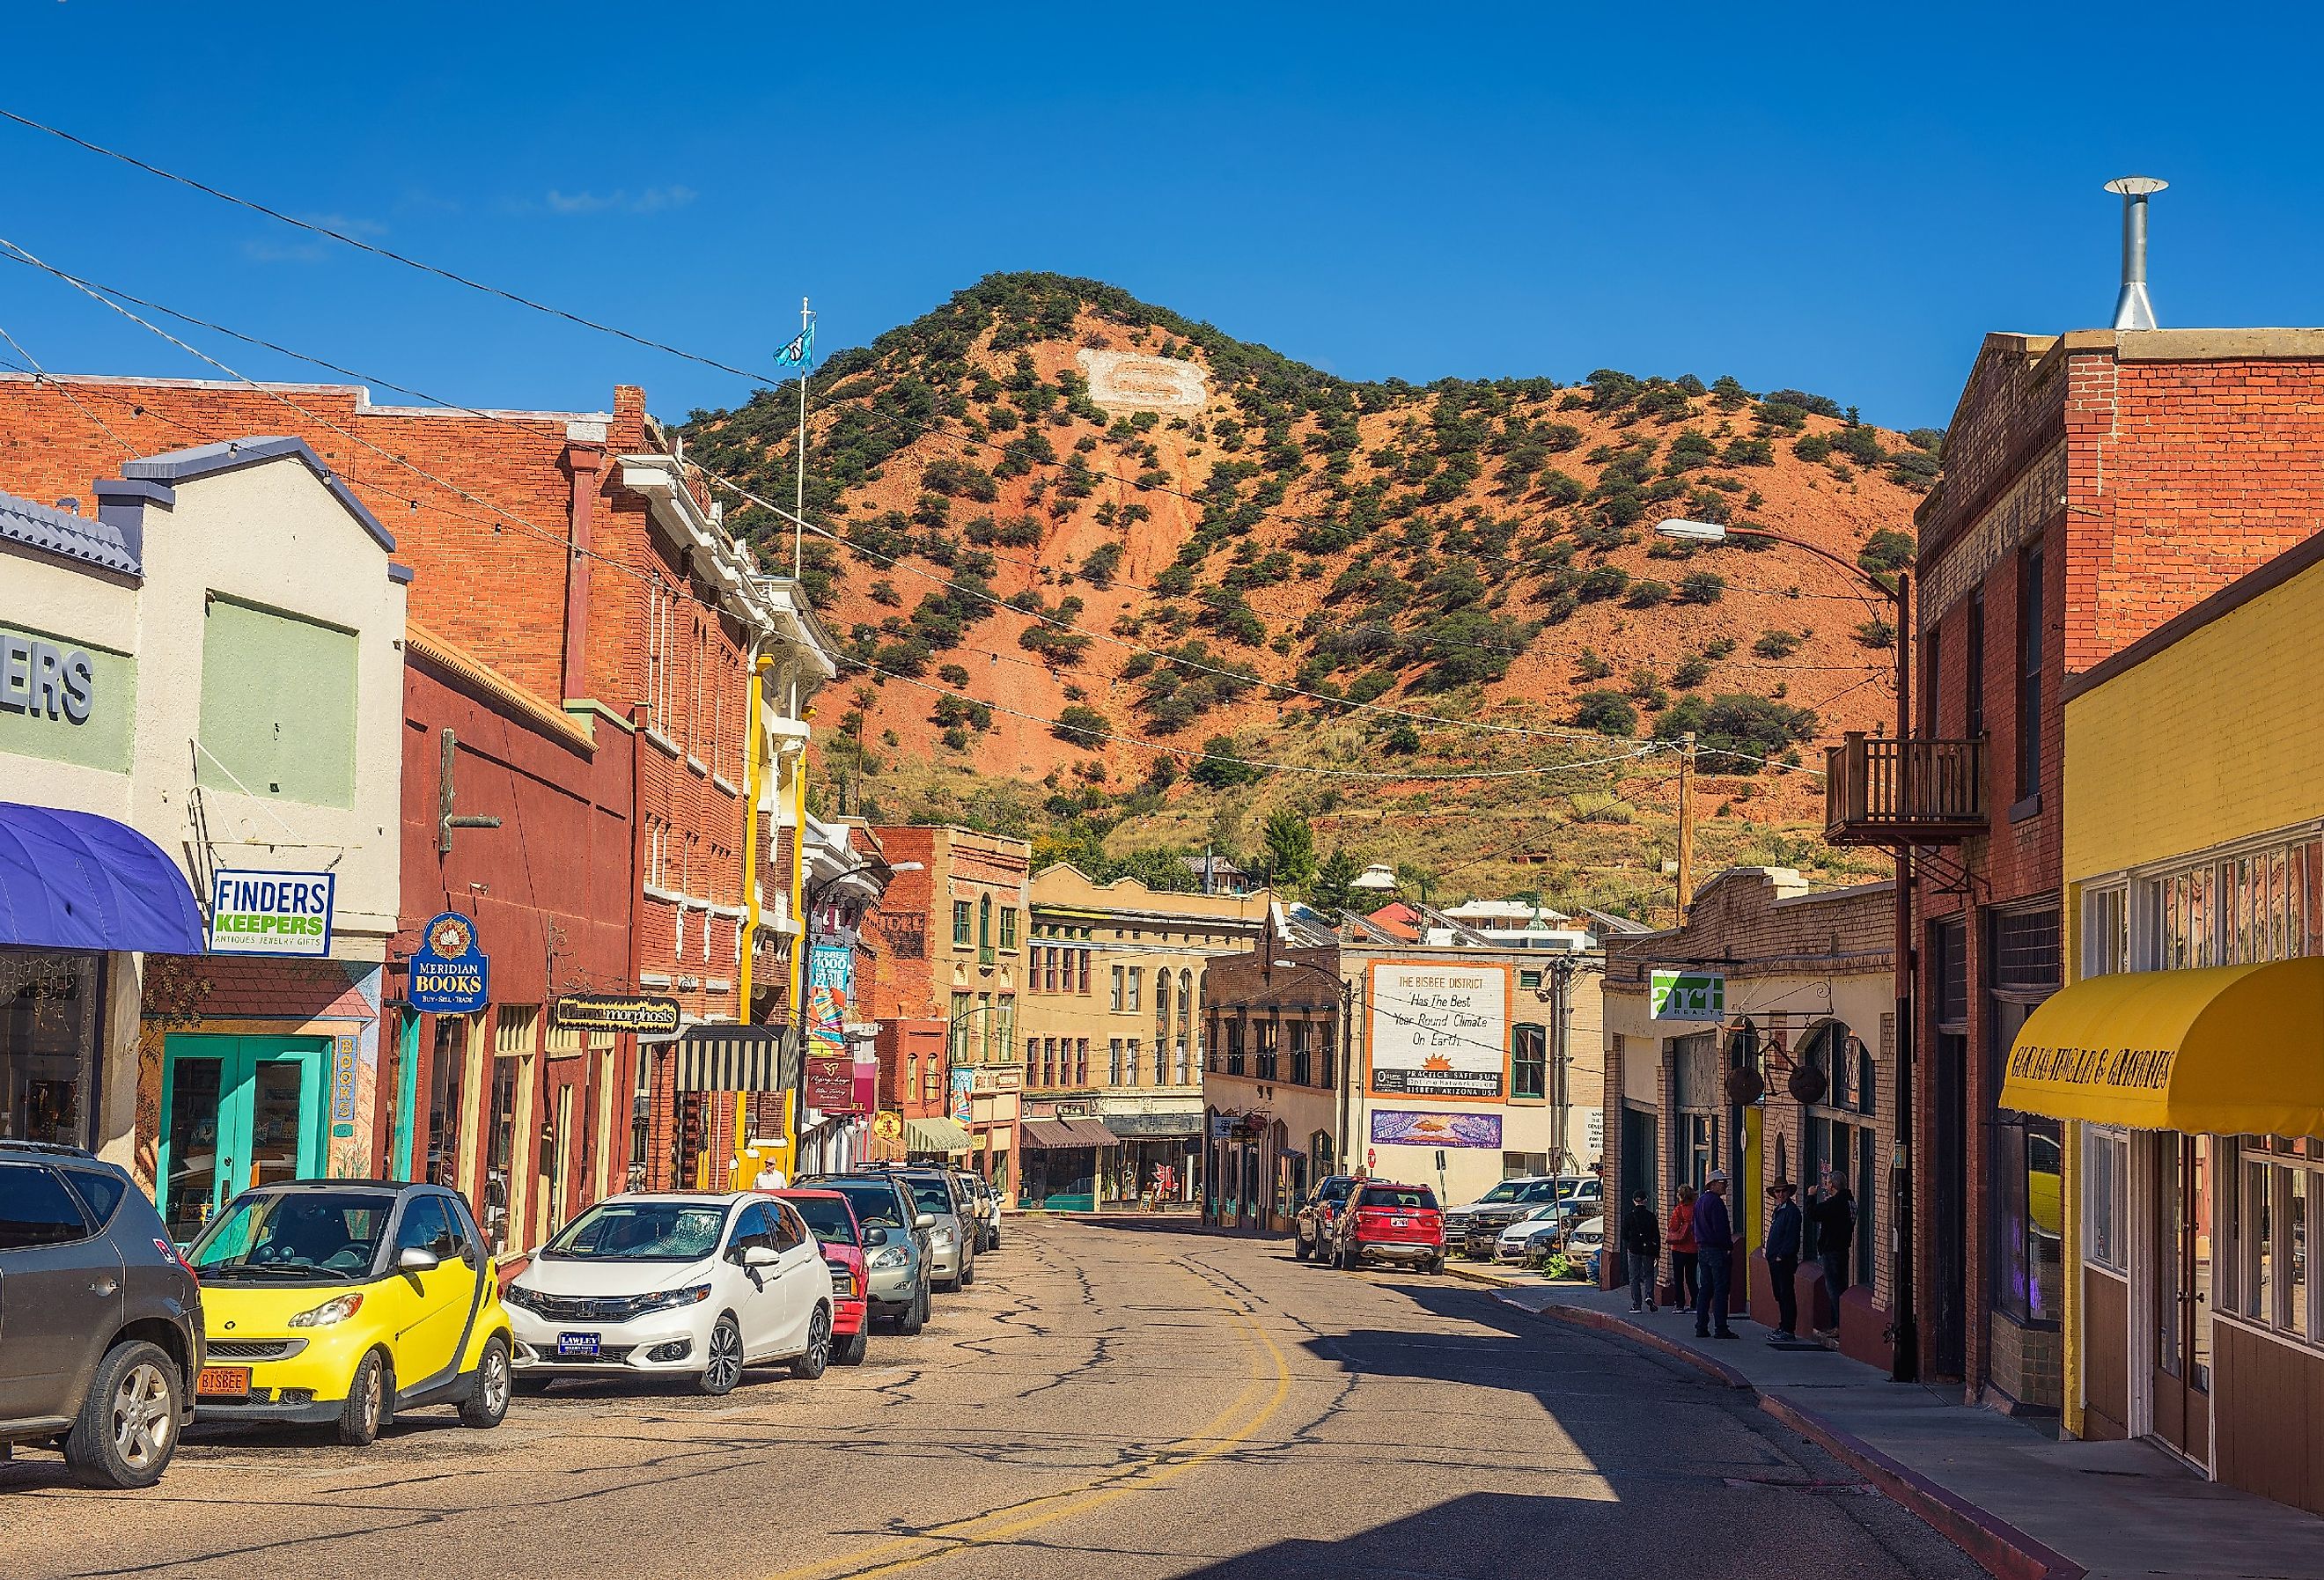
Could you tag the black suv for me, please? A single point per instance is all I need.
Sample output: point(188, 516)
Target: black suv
point(100, 1322)
point(1311, 1230)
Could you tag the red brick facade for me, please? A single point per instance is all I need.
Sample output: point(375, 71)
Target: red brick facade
point(2145, 470)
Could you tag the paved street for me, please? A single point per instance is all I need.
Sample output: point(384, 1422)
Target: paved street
point(1106, 1400)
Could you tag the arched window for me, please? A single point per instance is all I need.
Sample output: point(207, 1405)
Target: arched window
point(1161, 1007)
point(1185, 995)
point(1868, 1090)
point(984, 923)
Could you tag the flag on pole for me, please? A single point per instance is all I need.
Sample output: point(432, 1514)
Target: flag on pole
point(800, 351)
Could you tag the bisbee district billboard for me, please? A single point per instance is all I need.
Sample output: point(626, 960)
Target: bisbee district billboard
point(1439, 1030)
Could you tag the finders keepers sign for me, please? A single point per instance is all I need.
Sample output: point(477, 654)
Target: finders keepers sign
point(272, 913)
point(1439, 1029)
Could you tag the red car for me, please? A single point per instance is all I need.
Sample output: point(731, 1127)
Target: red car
point(1386, 1222)
point(830, 1217)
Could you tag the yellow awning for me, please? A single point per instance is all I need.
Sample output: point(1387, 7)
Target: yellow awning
point(2230, 1050)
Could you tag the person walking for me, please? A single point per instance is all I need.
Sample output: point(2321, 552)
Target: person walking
point(1833, 1214)
point(1642, 1248)
point(1685, 1277)
point(1714, 1251)
point(1784, 1259)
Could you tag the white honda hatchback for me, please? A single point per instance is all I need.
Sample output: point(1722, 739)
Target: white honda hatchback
point(674, 1285)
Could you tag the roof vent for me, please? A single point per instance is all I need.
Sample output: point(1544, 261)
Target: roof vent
point(70, 505)
point(2132, 309)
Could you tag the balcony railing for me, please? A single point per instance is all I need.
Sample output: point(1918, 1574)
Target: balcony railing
point(1879, 791)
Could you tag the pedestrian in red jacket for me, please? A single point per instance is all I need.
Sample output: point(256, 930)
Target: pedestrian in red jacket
point(1680, 1241)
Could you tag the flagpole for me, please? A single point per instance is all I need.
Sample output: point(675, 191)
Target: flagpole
point(799, 512)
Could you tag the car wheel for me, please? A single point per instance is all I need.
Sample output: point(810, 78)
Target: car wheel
point(127, 1428)
point(722, 1369)
point(365, 1409)
point(808, 1364)
point(849, 1350)
point(487, 1402)
point(1298, 1247)
point(967, 1275)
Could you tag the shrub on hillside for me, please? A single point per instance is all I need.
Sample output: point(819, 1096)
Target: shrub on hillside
point(1082, 726)
point(1098, 566)
point(1702, 586)
point(1610, 713)
point(1776, 644)
point(1735, 728)
point(1217, 769)
point(1646, 595)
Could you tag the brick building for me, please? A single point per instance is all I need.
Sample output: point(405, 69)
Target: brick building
point(1810, 995)
point(578, 558)
point(949, 964)
point(2096, 484)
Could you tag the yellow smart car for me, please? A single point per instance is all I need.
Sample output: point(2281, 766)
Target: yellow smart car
point(342, 1301)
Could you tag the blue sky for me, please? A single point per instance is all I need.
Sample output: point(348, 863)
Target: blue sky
point(1839, 201)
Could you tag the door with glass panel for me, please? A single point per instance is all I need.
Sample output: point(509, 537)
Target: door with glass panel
point(2182, 1286)
point(236, 1111)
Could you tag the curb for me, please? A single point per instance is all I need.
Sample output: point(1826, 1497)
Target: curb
point(1996, 1546)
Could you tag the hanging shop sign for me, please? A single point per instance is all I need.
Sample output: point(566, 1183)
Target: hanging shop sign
point(887, 1125)
point(1439, 1031)
point(1687, 995)
point(830, 984)
point(272, 913)
point(450, 975)
point(832, 1087)
point(650, 1017)
point(964, 1085)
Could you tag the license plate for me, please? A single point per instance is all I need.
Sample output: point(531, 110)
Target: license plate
point(1399, 1223)
point(223, 1380)
point(577, 1343)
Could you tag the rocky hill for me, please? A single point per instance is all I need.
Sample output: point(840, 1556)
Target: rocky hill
point(1095, 560)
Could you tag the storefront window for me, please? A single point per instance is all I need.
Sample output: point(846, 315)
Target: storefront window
point(2277, 1190)
point(2105, 1160)
point(49, 1024)
point(2027, 1221)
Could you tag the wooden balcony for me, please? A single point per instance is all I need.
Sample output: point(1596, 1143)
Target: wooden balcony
point(1879, 790)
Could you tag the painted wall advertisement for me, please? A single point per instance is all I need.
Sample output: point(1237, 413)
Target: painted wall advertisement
point(1396, 1128)
point(1439, 1031)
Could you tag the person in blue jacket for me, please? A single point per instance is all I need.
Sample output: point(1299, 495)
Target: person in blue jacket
point(1714, 1243)
point(1784, 1258)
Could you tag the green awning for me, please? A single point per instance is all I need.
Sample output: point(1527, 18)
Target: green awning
point(936, 1135)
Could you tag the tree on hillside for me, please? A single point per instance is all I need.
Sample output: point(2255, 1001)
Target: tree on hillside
point(1218, 769)
point(1291, 850)
point(1335, 887)
point(1078, 726)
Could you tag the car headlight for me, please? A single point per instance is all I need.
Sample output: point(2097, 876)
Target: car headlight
point(842, 1279)
point(518, 1295)
point(895, 1256)
point(329, 1312)
point(940, 1236)
point(670, 1300)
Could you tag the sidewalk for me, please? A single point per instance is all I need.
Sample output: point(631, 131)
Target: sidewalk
point(2020, 1502)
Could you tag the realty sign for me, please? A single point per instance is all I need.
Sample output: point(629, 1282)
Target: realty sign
point(272, 913)
point(450, 975)
point(1687, 995)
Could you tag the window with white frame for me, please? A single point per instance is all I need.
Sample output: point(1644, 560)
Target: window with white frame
point(661, 607)
point(2255, 905)
point(2106, 930)
point(2278, 1185)
point(2106, 1198)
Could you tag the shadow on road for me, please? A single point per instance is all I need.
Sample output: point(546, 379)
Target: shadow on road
point(1488, 1535)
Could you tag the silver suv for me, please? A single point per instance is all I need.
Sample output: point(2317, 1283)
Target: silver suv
point(100, 1322)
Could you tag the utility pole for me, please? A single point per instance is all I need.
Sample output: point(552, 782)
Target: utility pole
point(798, 497)
point(1686, 825)
point(1561, 978)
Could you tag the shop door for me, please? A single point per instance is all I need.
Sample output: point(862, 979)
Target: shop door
point(2182, 1278)
point(236, 1111)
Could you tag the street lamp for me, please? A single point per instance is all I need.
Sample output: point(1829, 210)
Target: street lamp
point(1898, 592)
point(806, 992)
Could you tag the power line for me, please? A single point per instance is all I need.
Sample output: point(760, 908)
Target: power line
point(41, 374)
point(378, 251)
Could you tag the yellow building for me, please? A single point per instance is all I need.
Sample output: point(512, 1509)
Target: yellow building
point(1110, 1022)
point(2187, 1052)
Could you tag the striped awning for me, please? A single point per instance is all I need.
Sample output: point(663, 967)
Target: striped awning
point(736, 1058)
point(936, 1135)
point(1062, 1134)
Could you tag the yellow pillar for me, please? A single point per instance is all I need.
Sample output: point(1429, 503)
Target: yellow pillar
point(753, 769)
point(794, 1101)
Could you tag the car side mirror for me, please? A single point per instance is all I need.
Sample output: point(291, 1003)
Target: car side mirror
point(925, 1220)
point(417, 1258)
point(761, 1256)
point(875, 1235)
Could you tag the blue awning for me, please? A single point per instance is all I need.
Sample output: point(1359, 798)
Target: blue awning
point(77, 880)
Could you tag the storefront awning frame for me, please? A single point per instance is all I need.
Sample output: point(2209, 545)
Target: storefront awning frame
point(1064, 1134)
point(2223, 1051)
point(936, 1135)
point(72, 880)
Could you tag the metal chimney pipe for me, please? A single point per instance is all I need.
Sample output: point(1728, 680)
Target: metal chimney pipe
point(2132, 309)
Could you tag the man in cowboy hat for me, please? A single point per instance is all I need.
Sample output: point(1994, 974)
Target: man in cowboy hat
point(1714, 1243)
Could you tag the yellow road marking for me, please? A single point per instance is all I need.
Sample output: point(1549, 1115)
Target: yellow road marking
point(1049, 1508)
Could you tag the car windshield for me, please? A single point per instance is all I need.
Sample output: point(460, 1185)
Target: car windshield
point(874, 1201)
point(1507, 1191)
point(641, 1231)
point(1541, 1190)
point(1335, 1190)
point(305, 1234)
point(933, 1194)
point(1398, 1196)
point(829, 1219)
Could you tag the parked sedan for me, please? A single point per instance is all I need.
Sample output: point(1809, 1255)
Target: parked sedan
point(1386, 1222)
point(951, 1237)
point(103, 1323)
point(832, 1220)
point(675, 1285)
point(895, 1244)
point(346, 1302)
point(1539, 1235)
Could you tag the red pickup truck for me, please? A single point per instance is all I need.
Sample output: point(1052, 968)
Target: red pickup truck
point(1386, 1222)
